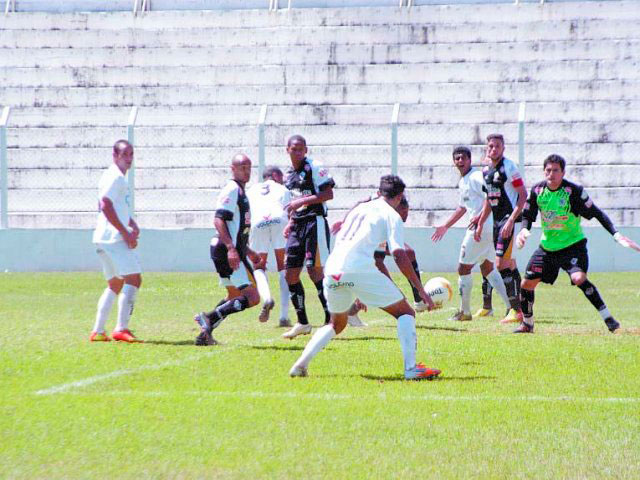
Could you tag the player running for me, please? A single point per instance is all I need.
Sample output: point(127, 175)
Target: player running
point(351, 274)
point(268, 201)
point(563, 244)
point(229, 251)
point(477, 245)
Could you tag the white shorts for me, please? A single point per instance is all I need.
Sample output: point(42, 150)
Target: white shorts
point(266, 236)
point(373, 288)
point(117, 260)
point(472, 252)
point(242, 277)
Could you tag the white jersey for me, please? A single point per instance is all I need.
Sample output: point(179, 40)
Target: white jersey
point(367, 226)
point(232, 206)
point(268, 201)
point(113, 185)
point(473, 192)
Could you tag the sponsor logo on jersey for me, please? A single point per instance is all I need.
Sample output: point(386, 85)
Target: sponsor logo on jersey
point(337, 285)
point(225, 200)
point(336, 277)
point(323, 172)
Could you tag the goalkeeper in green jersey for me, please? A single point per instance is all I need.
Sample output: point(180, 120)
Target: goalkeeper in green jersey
point(563, 243)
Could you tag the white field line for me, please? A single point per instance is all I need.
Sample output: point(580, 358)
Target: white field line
point(380, 396)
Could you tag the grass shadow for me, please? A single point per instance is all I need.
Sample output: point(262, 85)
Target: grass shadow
point(446, 329)
point(444, 378)
point(175, 343)
point(359, 339)
point(278, 348)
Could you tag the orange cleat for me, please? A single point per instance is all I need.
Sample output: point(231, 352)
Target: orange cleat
point(99, 337)
point(125, 336)
point(420, 372)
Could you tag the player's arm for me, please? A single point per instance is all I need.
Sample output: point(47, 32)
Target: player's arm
point(518, 184)
point(404, 265)
point(379, 257)
point(442, 229)
point(477, 224)
point(106, 206)
point(325, 194)
point(134, 227)
point(335, 228)
point(528, 217)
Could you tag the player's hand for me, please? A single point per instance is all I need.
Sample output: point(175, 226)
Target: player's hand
point(474, 222)
point(335, 228)
point(259, 262)
point(295, 205)
point(135, 230)
point(507, 229)
point(477, 234)
point(234, 258)
point(427, 299)
point(521, 239)
point(287, 230)
point(360, 306)
point(130, 239)
point(439, 233)
point(626, 241)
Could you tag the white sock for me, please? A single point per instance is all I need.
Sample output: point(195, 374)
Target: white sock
point(104, 309)
point(284, 296)
point(604, 313)
point(263, 285)
point(319, 340)
point(496, 281)
point(408, 340)
point(126, 301)
point(465, 283)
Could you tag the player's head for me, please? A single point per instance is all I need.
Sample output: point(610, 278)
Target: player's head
point(403, 208)
point(391, 189)
point(297, 148)
point(554, 166)
point(123, 155)
point(273, 173)
point(462, 159)
point(241, 168)
point(495, 146)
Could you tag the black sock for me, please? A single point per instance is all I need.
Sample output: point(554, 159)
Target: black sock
point(517, 280)
point(527, 298)
point(229, 307)
point(212, 314)
point(323, 301)
point(591, 292)
point(296, 293)
point(486, 294)
point(510, 287)
point(416, 294)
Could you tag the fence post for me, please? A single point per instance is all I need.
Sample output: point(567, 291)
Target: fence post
point(394, 139)
point(261, 155)
point(4, 184)
point(521, 117)
point(131, 175)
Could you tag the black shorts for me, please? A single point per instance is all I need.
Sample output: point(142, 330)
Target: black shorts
point(504, 245)
point(545, 265)
point(241, 278)
point(308, 242)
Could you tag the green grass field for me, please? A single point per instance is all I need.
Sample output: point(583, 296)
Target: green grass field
point(562, 403)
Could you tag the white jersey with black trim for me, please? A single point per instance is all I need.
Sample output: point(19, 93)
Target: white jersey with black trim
point(113, 185)
point(232, 206)
point(268, 201)
point(309, 179)
point(473, 192)
point(365, 228)
point(501, 182)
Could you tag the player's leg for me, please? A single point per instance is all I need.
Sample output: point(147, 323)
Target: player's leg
point(105, 303)
point(465, 285)
point(418, 304)
point(128, 266)
point(294, 260)
point(504, 264)
point(541, 267)
point(284, 288)
point(262, 284)
point(487, 286)
point(495, 280)
point(317, 253)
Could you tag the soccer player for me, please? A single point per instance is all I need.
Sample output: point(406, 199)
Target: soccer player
point(507, 196)
point(307, 232)
point(352, 274)
point(268, 201)
point(563, 244)
point(116, 237)
point(477, 245)
point(229, 251)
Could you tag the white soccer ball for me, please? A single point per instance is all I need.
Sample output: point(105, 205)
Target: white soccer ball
point(440, 291)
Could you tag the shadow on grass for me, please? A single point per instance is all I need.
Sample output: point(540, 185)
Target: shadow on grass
point(432, 327)
point(175, 343)
point(277, 348)
point(444, 378)
point(359, 339)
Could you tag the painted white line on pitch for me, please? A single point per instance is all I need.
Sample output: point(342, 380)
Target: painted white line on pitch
point(381, 396)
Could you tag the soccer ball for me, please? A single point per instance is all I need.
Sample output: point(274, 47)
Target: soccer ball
point(440, 291)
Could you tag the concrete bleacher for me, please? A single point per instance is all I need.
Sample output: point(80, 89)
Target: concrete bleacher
point(199, 79)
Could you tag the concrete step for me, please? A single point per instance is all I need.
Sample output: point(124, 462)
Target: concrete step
point(245, 138)
point(494, 12)
point(421, 33)
point(560, 50)
point(544, 89)
point(225, 115)
point(278, 75)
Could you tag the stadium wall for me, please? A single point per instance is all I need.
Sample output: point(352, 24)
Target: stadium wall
point(25, 250)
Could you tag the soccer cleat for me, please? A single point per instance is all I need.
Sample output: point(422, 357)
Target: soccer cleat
point(298, 329)
point(483, 312)
point(99, 337)
point(355, 321)
point(420, 306)
point(524, 328)
point(125, 335)
point(460, 316)
point(266, 309)
point(284, 322)
point(612, 324)
point(513, 316)
point(298, 371)
point(204, 338)
point(420, 372)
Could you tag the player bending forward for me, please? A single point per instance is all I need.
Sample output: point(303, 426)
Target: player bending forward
point(351, 274)
point(229, 251)
point(477, 245)
point(268, 201)
point(563, 244)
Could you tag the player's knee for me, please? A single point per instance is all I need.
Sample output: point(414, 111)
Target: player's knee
point(464, 269)
point(578, 278)
point(528, 284)
point(292, 276)
point(410, 253)
point(253, 297)
point(315, 273)
point(115, 284)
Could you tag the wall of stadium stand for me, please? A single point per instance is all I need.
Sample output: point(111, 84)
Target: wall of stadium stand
point(199, 79)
